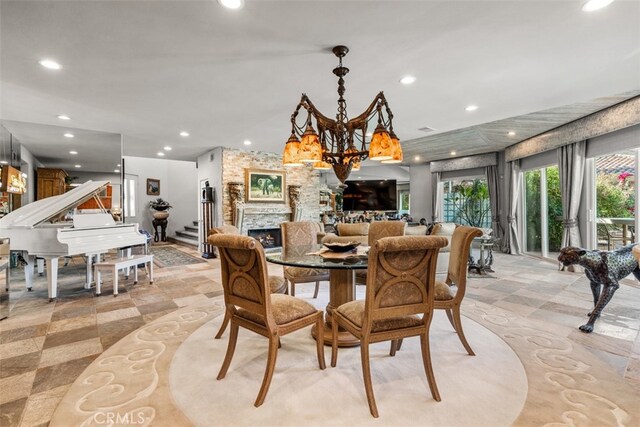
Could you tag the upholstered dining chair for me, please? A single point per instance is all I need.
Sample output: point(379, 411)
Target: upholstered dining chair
point(378, 230)
point(302, 233)
point(248, 298)
point(450, 292)
point(277, 285)
point(398, 302)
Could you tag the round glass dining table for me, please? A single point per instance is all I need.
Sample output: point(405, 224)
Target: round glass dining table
point(342, 268)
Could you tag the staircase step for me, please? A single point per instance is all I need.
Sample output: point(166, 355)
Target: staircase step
point(182, 240)
point(191, 228)
point(195, 223)
point(187, 235)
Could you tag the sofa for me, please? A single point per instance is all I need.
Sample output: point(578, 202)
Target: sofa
point(359, 232)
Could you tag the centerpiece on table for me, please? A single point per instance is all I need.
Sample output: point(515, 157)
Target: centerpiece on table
point(160, 207)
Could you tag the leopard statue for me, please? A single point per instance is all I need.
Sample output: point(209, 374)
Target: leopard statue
point(603, 269)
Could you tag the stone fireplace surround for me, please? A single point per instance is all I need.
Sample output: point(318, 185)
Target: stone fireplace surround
point(302, 195)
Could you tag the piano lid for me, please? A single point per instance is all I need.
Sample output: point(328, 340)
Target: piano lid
point(43, 210)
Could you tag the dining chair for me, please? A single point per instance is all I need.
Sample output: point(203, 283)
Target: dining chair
point(378, 230)
point(451, 291)
point(303, 234)
point(277, 284)
point(398, 302)
point(252, 305)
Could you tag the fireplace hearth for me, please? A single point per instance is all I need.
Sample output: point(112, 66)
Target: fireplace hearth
point(269, 237)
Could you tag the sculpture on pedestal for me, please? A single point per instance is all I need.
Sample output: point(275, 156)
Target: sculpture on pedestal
point(236, 194)
point(294, 201)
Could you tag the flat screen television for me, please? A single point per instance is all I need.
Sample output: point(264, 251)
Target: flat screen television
point(371, 195)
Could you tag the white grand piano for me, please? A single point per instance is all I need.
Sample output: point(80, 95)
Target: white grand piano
point(35, 228)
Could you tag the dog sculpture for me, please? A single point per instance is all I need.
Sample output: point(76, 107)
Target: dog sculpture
point(603, 269)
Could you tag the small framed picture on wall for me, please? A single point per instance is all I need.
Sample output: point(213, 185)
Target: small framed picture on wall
point(153, 187)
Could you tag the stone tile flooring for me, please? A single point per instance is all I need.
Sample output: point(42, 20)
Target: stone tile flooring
point(45, 346)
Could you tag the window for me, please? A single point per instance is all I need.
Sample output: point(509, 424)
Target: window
point(466, 202)
point(130, 184)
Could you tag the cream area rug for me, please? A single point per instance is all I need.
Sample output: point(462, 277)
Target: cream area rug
point(164, 375)
point(302, 394)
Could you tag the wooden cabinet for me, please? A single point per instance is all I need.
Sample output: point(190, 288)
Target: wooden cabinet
point(50, 182)
point(105, 198)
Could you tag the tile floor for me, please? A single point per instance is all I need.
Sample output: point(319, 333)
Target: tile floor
point(45, 346)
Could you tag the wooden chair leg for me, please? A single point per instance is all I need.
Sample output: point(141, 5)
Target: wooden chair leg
point(293, 288)
point(393, 349)
point(399, 345)
point(320, 341)
point(268, 373)
point(225, 322)
point(315, 293)
point(450, 317)
point(334, 341)
point(428, 369)
point(458, 326)
point(366, 374)
point(231, 347)
point(286, 286)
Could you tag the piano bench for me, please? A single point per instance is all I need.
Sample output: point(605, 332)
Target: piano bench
point(118, 264)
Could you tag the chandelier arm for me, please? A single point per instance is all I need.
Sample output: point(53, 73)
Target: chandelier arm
point(322, 120)
point(364, 116)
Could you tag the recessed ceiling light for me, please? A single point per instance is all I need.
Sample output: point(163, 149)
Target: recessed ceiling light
point(511, 133)
point(116, 170)
point(68, 135)
point(63, 117)
point(416, 158)
point(50, 64)
point(592, 5)
point(118, 165)
point(232, 4)
point(78, 166)
point(167, 148)
point(74, 152)
point(3, 162)
point(453, 153)
point(471, 108)
point(184, 133)
point(160, 153)
point(247, 142)
point(407, 80)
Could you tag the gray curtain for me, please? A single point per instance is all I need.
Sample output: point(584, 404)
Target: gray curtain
point(571, 160)
point(436, 196)
point(493, 183)
point(510, 243)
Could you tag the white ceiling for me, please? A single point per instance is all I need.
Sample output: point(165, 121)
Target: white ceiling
point(149, 69)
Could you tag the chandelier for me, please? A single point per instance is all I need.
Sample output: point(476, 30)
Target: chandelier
point(341, 144)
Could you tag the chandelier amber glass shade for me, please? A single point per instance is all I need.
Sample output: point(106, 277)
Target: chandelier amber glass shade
point(381, 146)
point(322, 166)
point(396, 150)
point(291, 155)
point(310, 148)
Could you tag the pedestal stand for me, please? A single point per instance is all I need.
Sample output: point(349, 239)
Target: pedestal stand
point(208, 251)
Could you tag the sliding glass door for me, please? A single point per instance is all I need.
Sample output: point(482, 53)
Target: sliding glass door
point(615, 199)
point(542, 208)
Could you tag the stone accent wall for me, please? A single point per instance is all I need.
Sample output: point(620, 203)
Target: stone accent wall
point(264, 215)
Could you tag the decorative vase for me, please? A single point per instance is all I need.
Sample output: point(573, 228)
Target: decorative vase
point(160, 214)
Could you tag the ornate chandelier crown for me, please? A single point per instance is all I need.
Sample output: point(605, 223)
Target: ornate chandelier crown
point(341, 144)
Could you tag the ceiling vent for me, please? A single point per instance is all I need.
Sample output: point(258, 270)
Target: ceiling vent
point(427, 129)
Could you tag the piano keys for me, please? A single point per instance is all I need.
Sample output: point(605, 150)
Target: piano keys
point(38, 230)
